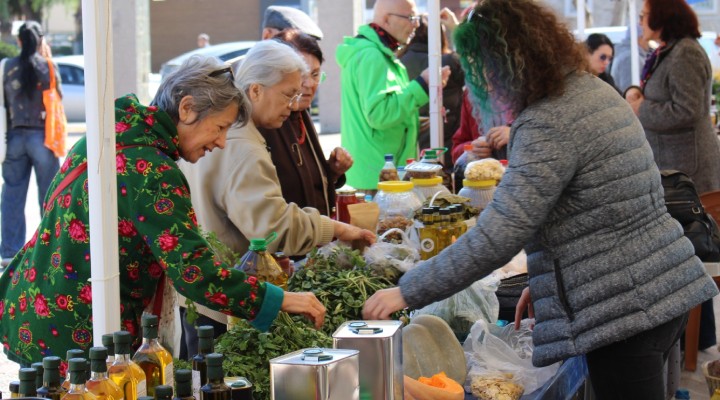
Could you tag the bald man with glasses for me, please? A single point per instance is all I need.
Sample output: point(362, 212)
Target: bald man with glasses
point(379, 113)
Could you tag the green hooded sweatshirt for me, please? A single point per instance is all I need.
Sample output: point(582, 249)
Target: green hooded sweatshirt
point(379, 107)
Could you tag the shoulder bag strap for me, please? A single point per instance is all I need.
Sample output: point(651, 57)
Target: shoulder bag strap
point(72, 175)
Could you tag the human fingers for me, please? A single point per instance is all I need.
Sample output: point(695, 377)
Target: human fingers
point(383, 303)
point(523, 303)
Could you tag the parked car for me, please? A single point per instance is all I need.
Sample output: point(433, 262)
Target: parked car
point(72, 74)
point(223, 51)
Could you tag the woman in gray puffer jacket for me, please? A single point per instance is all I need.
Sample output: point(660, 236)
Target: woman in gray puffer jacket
point(611, 274)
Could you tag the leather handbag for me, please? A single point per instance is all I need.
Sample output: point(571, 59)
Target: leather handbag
point(3, 113)
point(55, 121)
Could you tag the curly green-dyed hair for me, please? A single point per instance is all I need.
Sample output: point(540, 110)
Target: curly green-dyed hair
point(515, 53)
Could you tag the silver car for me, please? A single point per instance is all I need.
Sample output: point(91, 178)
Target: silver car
point(72, 74)
point(223, 51)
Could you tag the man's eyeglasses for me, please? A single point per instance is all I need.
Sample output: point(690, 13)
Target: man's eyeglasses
point(414, 19)
point(222, 71)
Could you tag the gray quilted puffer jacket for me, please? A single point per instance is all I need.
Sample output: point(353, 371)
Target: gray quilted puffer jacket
point(582, 195)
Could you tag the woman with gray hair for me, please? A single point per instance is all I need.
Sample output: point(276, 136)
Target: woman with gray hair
point(46, 294)
point(237, 191)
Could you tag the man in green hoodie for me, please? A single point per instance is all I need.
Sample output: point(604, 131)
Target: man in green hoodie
point(380, 104)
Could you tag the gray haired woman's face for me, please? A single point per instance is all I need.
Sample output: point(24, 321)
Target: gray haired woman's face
point(272, 105)
point(198, 136)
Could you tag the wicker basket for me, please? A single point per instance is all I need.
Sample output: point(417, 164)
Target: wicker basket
point(712, 382)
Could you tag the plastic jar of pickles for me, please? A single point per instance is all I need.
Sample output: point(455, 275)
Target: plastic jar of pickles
point(480, 193)
point(397, 203)
point(426, 188)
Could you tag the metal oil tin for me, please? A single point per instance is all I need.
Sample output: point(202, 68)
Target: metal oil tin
point(241, 387)
point(380, 346)
point(315, 374)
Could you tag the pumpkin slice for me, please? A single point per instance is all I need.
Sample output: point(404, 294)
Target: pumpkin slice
point(430, 347)
point(420, 390)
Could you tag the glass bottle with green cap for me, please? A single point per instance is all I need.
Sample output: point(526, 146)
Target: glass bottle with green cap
point(124, 372)
point(27, 382)
point(206, 334)
point(38, 374)
point(184, 385)
point(107, 341)
point(72, 353)
point(51, 387)
point(99, 383)
point(151, 356)
point(215, 389)
point(77, 367)
point(163, 392)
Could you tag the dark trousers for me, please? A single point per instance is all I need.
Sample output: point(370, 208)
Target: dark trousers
point(633, 368)
point(189, 341)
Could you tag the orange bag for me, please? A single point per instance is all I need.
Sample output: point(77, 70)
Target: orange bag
point(55, 121)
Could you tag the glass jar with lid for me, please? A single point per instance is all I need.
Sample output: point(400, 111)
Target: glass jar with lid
point(344, 197)
point(479, 192)
point(397, 203)
point(426, 188)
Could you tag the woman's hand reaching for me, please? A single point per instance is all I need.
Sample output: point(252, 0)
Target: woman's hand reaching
point(348, 233)
point(304, 303)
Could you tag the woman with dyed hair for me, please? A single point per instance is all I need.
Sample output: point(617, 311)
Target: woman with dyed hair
point(611, 274)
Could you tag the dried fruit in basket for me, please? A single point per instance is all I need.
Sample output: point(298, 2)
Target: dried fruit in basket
point(496, 387)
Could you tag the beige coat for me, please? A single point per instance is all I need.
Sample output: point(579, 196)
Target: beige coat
point(236, 194)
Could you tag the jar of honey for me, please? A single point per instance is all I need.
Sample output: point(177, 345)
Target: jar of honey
point(344, 197)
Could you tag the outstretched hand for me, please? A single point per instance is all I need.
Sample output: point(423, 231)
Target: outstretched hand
point(304, 303)
point(383, 303)
point(348, 233)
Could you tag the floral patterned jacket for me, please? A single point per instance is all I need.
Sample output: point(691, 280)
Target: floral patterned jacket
point(45, 294)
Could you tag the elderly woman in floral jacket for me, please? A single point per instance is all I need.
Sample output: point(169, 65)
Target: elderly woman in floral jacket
point(46, 296)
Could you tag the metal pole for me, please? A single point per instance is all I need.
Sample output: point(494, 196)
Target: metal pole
point(102, 181)
point(634, 47)
point(581, 20)
point(435, 65)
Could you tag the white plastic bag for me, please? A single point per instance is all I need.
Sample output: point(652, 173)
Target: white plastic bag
point(491, 349)
point(401, 255)
point(461, 310)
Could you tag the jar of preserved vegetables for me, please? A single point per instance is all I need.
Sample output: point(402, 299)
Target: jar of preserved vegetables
point(397, 203)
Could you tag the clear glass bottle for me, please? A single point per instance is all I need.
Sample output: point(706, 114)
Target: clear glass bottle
point(51, 387)
point(151, 356)
point(206, 334)
point(107, 341)
point(124, 372)
point(100, 383)
point(184, 385)
point(72, 353)
point(39, 373)
point(215, 389)
point(389, 172)
point(27, 382)
point(163, 392)
point(77, 367)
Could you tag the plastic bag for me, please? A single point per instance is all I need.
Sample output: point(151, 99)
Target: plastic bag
point(392, 259)
point(461, 310)
point(491, 350)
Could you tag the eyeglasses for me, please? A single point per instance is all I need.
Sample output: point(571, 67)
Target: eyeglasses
point(318, 76)
point(641, 16)
point(222, 71)
point(414, 19)
point(293, 100)
point(605, 57)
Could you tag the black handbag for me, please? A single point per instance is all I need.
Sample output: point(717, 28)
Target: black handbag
point(508, 294)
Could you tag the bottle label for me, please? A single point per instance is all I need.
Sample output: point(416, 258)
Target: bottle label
point(142, 388)
point(196, 383)
point(427, 245)
point(169, 375)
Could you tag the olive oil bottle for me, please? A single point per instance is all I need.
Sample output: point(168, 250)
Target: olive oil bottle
point(27, 382)
point(39, 372)
point(51, 387)
point(100, 384)
point(72, 353)
point(107, 342)
point(124, 372)
point(77, 367)
point(205, 335)
point(215, 389)
point(184, 385)
point(163, 392)
point(155, 361)
point(428, 235)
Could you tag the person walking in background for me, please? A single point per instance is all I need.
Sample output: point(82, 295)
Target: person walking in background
point(621, 69)
point(611, 275)
point(415, 59)
point(203, 40)
point(306, 177)
point(379, 113)
point(600, 52)
point(278, 18)
point(25, 78)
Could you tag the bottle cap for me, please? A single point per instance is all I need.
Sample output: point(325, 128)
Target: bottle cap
point(425, 182)
point(445, 211)
point(504, 162)
point(27, 374)
point(409, 161)
point(98, 355)
point(183, 383)
point(214, 366)
point(107, 341)
point(368, 198)
point(14, 386)
point(260, 244)
point(74, 353)
point(51, 362)
point(389, 157)
point(395, 186)
point(206, 331)
point(468, 147)
point(163, 392)
point(27, 382)
point(183, 375)
point(486, 184)
point(122, 340)
point(149, 320)
point(39, 371)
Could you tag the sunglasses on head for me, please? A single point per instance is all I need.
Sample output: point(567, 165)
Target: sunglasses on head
point(222, 71)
